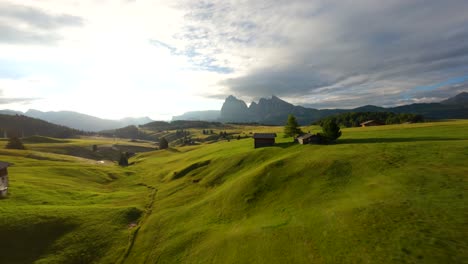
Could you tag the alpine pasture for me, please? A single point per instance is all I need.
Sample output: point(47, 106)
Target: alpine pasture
point(386, 194)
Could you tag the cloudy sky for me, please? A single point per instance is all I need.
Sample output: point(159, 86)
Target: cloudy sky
point(116, 58)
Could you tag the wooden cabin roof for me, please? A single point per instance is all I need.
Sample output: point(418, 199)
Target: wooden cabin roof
point(368, 122)
point(305, 136)
point(264, 135)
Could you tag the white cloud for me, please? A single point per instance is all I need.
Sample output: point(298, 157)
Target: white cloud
point(165, 57)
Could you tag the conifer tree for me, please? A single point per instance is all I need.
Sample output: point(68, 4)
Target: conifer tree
point(292, 127)
point(331, 130)
point(123, 160)
point(163, 144)
point(15, 143)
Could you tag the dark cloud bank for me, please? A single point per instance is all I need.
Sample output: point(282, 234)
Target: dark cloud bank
point(337, 53)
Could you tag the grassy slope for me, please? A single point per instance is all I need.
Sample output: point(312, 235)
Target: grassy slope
point(384, 194)
point(403, 200)
point(63, 209)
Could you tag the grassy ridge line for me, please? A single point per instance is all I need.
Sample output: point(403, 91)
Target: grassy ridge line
point(304, 203)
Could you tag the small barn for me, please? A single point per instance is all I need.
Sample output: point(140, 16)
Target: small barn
point(371, 123)
point(3, 179)
point(264, 139)
point(307, 139)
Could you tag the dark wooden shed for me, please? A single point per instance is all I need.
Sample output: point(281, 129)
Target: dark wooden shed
point(264, 139)
point(307, 139)
point(3, 179)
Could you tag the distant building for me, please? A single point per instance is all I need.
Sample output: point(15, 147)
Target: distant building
point(307, 139)
point(371, 123)
point(264, 139)
point(3, 179)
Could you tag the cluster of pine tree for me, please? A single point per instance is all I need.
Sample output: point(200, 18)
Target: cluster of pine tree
point(223, 134)
point(330, 130)
point(354, 119)
point(182, 132)
point(15, 143)
point(207, 132)
point(132, 132)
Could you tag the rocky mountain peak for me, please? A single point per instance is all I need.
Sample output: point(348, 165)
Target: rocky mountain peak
point(461, 98)
point(234, 109)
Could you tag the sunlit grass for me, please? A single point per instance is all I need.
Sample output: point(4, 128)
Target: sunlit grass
point(379, 195)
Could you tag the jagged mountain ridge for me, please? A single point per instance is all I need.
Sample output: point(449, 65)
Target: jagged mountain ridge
point(267, 111)
point(234, 109)
point(461, 98)
point(274, 111)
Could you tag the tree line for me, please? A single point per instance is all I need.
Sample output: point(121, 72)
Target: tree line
point(23, 126)
point(330, 130)
point(354, 119)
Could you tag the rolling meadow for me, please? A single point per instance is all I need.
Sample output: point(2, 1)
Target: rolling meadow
point(386, 194)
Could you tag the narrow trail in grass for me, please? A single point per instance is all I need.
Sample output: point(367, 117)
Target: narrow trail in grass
point(149, 209)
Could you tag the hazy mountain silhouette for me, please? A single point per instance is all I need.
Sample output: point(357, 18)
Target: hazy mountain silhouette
point(267, 111)
point(80, 121)
point(24, 126)
point(235, 110)
point(10, 112)
point(207, 115)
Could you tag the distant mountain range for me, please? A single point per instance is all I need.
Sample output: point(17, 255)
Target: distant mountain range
point(274, 111)
point(80, 121)
point(207, 115)
point(271, 111)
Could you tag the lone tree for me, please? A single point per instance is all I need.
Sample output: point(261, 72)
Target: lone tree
point(123, 160)
point(292, 127)
point(163, 144)
point(15, 143)
point(331, 130)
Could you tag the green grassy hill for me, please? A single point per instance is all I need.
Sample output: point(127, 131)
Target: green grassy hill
point(389, 194)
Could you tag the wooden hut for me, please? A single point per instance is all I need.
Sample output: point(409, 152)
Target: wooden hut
point(264, 139)
point(307, 139)
point(371, 123)
point(3, 179)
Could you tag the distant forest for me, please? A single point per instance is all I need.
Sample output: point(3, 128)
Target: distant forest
point(354, 119)
point(23, 126)
point(180, 124)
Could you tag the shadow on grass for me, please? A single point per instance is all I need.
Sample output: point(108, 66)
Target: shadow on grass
point(392, 140)
point(172, 150)
point(285, 144)
point(26, 243)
